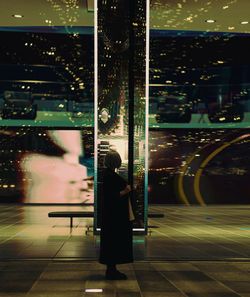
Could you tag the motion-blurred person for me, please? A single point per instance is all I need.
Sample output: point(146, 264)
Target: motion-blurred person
point(59, 179)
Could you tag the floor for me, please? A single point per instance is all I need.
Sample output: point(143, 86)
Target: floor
point(154, 279)
point(192, 251)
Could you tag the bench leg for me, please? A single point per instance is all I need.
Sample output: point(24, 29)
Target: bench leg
point(88, 229)
point(71, 222)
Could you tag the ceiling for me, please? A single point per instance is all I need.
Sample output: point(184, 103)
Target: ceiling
point(192, 15)
point(47, 13)
point(164, 14)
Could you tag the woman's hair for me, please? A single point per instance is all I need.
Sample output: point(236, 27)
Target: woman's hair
point(112, 160)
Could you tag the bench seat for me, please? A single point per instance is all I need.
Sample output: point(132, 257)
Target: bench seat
point(86, 214)
point(71, 215)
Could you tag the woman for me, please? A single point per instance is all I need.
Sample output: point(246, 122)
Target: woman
point(116, 229)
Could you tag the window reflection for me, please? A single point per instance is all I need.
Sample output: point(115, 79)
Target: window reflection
point(56, 69)
point(210, 70)
point(42, 165)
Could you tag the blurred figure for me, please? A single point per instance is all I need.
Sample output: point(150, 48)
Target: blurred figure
point(57, 179)
point(116, 228)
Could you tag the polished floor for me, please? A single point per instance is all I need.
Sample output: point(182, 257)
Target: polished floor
point(154, 279)
point(192, 251)
point(185, 233)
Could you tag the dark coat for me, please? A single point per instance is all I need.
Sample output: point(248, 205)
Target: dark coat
point(116, 230)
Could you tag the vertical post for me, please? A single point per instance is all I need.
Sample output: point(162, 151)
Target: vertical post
point(120, 35)
point(131, 87)
point(146, 115)
point(95, 110)
point(138, 109)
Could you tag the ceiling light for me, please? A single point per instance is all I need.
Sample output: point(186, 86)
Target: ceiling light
point(17, 16)
point(94, 290)
point(244, 22)
point(210, 21)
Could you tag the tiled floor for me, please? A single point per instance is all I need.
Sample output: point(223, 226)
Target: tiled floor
point(193, 251)
point(185, 233)
point(155, 279)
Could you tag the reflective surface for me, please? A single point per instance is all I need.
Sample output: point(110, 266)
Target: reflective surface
point(185, 233)
point(192, 251)
point(206, 15)
point(199, 64)
point(41, 165)
point(199, 166)
point(160, 279)
point(42, 80)
point(47, 13)
point(121, 107)
point(199, 79)
point(199, 102)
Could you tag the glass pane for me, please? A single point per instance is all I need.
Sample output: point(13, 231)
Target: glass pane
point(47, 65)
point(199, 102)
point(41, 165)
point(47, 102)
point(199, 69)
point(121, 96)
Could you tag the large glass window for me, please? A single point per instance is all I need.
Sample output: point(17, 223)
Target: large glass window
point(199, 101)
point(47, 76)
point(47, 102)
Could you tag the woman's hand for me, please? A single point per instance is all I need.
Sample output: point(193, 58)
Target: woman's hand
point(126, 190)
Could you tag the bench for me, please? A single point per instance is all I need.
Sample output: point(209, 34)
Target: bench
point(86, 214)
point(71, 215)
point(152, 215)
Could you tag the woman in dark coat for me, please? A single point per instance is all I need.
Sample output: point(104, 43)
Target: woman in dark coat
point(116, 229)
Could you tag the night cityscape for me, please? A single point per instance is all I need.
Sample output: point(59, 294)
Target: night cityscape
point(124, 148)
point(55, 68)
point(189, 71)
point(175, 159)
point(196, 67)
